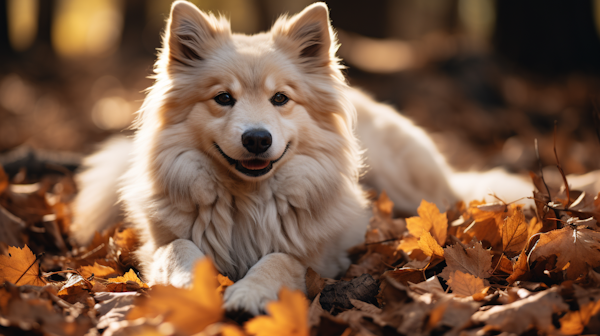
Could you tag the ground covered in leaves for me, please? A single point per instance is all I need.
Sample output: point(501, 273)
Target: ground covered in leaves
point(477, 269)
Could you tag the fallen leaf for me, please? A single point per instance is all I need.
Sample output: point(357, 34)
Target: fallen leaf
point(188, 310)
point(577, 248)
point(430, 246)
point(465, 284)
point(119, 284)
point(113, 307)
point(314, 283)
point(99, 271)
point(287, 317)
point(382, 226)
point(517, 317)
point(11, 228)
point(514, 232)
point(224, 282)
point(429, 220)
point(20, 267)
point(3, 180)
point(474, 260)
point(428, 286)
point(338, 295)
point(574, 322)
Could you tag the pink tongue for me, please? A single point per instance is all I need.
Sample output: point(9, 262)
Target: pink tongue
point(255, 164)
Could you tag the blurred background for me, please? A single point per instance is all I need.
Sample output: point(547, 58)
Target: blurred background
point(485, 77)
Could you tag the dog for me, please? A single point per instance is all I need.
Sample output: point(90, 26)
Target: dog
point(251, 150)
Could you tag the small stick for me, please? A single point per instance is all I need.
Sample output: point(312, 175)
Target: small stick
point(537, 154)
point(562, 173)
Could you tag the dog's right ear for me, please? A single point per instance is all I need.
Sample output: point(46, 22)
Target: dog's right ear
point(191, 35)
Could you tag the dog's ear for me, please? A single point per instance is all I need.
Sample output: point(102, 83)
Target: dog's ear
point(191, 34)
point(312, 34)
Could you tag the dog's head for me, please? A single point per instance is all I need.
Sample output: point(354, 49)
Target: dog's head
point(251, 103)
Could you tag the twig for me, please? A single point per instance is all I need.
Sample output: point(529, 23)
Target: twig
point(562, 173)
point(537, 154)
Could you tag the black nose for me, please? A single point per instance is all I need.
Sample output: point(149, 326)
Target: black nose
point(257, 141)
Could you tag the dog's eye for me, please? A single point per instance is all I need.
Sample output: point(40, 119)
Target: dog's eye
point(225, 99)
point(279, 99)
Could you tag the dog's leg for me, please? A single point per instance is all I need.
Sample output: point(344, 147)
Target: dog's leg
point(174, 263)
point(263, 282)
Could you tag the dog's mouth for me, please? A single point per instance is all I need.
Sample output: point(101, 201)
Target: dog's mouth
point(253, 167)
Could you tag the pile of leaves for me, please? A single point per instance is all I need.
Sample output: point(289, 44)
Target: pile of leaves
point(477, 269)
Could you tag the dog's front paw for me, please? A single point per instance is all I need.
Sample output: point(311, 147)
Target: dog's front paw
point(249, 295)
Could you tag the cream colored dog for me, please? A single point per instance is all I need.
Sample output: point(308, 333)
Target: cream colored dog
point(245, 152)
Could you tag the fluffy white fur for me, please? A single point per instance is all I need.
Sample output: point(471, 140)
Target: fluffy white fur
point(263, 232)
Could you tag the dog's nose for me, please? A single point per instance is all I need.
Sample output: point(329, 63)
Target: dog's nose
point(257, 141)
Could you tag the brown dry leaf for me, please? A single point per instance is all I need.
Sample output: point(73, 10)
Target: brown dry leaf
point(288, 316)
point(189, 310)
point(119, 284)
point(20, 267)
point(3, 180)
point(11, 228)
point(99, 271)
point(474, 260)
point(381, 226)
point(429, 220)
point(577, 248)
point(514, 232)
point(430, 246)
point(224, 282)
point(314, 283)
point(517, 317)
point(465, 284)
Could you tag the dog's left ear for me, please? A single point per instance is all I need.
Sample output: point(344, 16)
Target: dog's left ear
point(311, 34)
point(192, 34)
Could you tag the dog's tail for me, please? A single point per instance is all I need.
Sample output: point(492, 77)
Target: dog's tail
point(96, 206)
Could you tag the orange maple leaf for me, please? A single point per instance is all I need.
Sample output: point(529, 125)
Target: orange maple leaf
point(20, 267)
point(288, 316)
point(116, 284)
point(188, 310)
point(429, 220)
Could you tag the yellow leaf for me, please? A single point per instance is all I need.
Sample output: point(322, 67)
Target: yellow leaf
point(465, 284)
point(20, 267)
point(188, 310)
point(514, 232)
point(129, 276)
point(288, 316)
point(574, 322)
point(429, 246)
point(429, 220)
point(99, 271)
point(224, 282)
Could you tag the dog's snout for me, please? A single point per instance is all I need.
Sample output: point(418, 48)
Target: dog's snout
point(257, 141)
